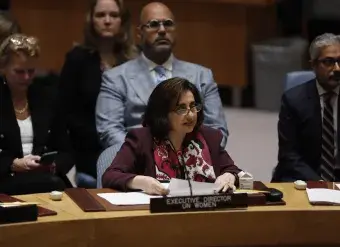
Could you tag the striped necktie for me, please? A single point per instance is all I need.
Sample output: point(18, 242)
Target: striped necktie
point(328, 146)
point(160, 74)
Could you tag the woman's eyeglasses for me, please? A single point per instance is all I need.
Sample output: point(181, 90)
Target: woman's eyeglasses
point(183, 110)
point(155, 25)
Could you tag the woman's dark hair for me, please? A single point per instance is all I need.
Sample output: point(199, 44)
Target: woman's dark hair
point(122, 44)
point(163, 100)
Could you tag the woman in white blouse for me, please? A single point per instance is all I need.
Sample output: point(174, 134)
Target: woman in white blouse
point(29, 124)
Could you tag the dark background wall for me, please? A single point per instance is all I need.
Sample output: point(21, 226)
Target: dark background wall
point(4, 4)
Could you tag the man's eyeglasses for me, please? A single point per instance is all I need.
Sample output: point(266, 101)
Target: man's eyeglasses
point(183, 110)
point(329, 61)
point(156, 24)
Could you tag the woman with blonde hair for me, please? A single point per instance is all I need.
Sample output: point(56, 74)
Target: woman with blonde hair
point(29, 126)
point(107, 43)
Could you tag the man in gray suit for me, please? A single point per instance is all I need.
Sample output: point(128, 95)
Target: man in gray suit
point(126, 89)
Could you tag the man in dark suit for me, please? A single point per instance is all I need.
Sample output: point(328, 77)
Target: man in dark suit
point(308, 119)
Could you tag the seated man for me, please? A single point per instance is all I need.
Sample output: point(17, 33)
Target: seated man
point(308, 119)
point(126, 89)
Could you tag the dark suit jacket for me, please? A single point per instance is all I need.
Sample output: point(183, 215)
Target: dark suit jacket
point(80, 81)
point(136, 158)
point(48, 133)
point(300, 133)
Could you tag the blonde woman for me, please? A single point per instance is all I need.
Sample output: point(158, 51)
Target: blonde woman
point(28, 124)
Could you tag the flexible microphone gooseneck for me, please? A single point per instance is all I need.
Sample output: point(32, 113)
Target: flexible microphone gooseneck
point(186, 172)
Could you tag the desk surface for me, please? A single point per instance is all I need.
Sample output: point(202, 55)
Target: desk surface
point(295, 223)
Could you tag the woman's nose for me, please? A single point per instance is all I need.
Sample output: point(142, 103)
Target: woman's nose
point(190, 114)
point(107, 19)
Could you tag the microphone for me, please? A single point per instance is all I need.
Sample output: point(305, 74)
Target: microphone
point(186, 172)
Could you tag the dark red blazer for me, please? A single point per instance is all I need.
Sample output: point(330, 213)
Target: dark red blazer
point(136, 158)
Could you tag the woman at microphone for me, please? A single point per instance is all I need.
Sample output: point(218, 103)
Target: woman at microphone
point(172, 144)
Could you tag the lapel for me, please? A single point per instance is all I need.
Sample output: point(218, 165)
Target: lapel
point(140, 79)
point(179, 69)
point(315, 112)
point(143, 84)
point(9, 128)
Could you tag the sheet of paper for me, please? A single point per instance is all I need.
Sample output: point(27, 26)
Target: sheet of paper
point(323, 196)
point(177, 187)
point(130, 198)
point(124, 199)
point(180, 187)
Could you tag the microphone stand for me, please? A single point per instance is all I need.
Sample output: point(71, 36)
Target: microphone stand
point(186, 173)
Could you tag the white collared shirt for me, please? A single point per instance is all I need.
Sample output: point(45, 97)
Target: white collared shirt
point(167, 66)
point(26, 133)
point(334, 103)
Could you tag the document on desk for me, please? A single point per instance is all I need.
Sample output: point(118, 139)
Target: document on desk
point(180, 187)
point(323, 196)
point(129, 198)
point(177, 187)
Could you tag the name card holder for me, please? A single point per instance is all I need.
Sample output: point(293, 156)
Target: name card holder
point(198, 203)
point(16, 214)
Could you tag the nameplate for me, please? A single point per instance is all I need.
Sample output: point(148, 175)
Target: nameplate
point(18, 214)
point(198, 203)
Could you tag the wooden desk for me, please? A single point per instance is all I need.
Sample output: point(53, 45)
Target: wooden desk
point(213, 33)
point(297, 223)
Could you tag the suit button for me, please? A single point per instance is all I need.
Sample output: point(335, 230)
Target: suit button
point(2, 136)
point(45, 148)
point(0, 150)
point(49, 131)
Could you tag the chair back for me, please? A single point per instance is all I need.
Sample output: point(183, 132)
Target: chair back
point(296, 78)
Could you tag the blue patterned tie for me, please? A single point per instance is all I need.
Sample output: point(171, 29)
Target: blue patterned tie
point(160, 74)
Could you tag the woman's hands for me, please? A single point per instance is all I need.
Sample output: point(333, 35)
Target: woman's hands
point(149, 184)
point(153, 187)
point(225, 181)
point(28, 162)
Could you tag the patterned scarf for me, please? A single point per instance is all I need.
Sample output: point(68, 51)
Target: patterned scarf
point(195, 155)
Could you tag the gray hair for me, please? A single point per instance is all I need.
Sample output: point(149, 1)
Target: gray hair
point(321, 42)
